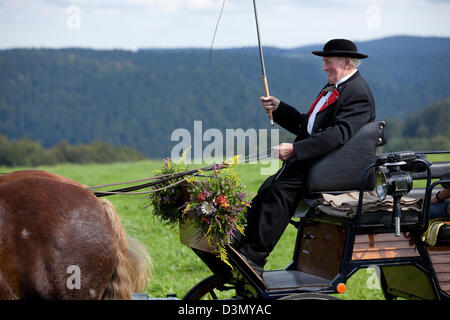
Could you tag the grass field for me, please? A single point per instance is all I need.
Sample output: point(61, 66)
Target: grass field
point(176, 267)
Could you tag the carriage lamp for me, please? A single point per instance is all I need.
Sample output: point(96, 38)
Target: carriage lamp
point(394, 183)
point(390, 180)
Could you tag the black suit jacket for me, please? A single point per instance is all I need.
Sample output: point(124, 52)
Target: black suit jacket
point(334, 125)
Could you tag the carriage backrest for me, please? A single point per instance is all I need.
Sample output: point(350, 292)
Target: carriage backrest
point(341, 170)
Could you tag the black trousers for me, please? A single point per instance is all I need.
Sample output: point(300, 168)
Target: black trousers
point(271, 210)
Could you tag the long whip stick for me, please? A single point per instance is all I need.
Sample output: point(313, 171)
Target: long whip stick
point(261, 57)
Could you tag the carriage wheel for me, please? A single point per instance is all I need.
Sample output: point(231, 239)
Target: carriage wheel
point(309, 296)
point(204, 290)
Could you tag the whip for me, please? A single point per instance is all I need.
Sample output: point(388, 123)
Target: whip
point(261, 57)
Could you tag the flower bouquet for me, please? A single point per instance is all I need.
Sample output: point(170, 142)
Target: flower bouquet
point(210, 208)
point(216, 208)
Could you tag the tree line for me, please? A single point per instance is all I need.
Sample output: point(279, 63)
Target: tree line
point(427, 129)
point(29, 153)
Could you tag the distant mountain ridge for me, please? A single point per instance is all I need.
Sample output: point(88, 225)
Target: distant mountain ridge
point(394, 44)
point(138, 98)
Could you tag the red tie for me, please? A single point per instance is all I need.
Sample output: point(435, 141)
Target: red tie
point(322, 93)
point(331, 99)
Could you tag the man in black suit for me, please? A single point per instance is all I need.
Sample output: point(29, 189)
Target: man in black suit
point(342, 107)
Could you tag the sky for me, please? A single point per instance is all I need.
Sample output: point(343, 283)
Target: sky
point(134, 24)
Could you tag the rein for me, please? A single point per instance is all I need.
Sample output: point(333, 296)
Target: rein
point(167, 177)
point(161, 179)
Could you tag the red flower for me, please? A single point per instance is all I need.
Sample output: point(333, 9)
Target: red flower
point(231, 220)
point(201, 197)
point(205, 220)
point(222, 201)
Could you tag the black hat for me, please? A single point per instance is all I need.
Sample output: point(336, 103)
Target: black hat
point(340, 48)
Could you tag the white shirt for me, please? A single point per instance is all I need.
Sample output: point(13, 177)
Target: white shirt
point(322, 101)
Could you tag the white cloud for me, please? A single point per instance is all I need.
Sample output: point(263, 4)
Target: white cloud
point(183, 23)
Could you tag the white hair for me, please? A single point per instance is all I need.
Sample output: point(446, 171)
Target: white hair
point(355, 62)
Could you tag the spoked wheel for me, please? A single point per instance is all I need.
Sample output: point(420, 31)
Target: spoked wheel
point(204, 290)
point(309, 296)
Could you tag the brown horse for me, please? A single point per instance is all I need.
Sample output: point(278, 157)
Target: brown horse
point(59, 241)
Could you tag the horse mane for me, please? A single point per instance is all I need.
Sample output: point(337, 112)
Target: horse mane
point(133, 264)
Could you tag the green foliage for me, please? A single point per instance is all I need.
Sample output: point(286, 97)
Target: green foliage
point(424, 130)
point(25, 152)
point(138, 98)
point(167, 202)
point(432, 121)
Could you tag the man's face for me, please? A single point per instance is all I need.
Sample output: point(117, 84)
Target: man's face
point(335, 67)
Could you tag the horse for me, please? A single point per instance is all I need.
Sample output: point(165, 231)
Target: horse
point(59, 241)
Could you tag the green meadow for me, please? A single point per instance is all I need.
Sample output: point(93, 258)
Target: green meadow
point(175, 267)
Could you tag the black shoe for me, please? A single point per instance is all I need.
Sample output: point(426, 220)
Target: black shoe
point(259, 269)
point(236, 239)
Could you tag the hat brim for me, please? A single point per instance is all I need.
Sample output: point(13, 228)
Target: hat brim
point(348, 54)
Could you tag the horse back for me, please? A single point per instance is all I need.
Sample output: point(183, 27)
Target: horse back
point(56, 240)
point(25, 174)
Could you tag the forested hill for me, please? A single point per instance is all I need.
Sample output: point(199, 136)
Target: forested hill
point(138, 98)
point(425, 129)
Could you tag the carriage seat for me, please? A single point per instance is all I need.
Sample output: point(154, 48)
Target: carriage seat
point(340, 171)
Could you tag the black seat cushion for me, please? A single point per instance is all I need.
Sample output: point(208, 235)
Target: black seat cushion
point(341, 169)
point(443, 235)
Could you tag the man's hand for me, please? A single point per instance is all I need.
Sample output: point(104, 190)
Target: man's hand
point(285, 151)
point(270, 103)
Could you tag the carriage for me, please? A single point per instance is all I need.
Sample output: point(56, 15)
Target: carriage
point(410, 251)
